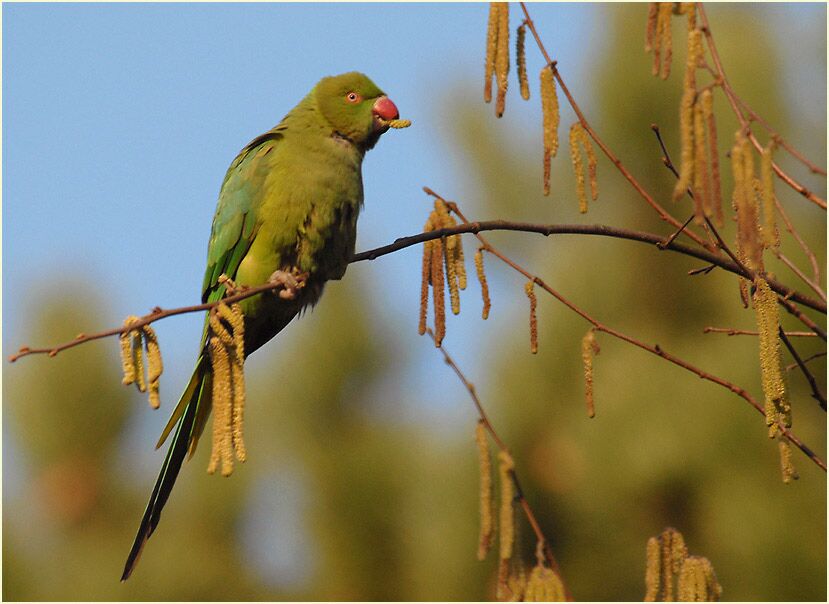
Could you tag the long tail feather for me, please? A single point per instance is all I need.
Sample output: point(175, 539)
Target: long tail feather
point(198, 393)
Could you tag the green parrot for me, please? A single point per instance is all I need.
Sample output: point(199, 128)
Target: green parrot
point(289, 202)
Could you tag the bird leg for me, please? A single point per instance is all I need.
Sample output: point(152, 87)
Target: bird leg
point(291, 282)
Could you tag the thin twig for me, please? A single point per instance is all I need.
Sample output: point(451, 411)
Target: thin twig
point(742, 332)
point(794, 233)
point(815, 287)
point(817, 355)
point(816, 393)
point(525, 505)
point(655, 349)
point(744, 124)
point(815, 169)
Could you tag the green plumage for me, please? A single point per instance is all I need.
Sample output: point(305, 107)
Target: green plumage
point(289, 201)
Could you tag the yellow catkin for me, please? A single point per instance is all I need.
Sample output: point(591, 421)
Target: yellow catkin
point(689, 9)
point(665, 10)
point(652, 569)
point(650, 32)
point(451, 275)
point(529, 289)
point(714, 587)
point(576, 131)
point(502, 58)
point(155, 365)
point(544, 585)
point(742, 167)
point(697, 581)
point(506, 536)
point(238, 413)
point(518, 583)
point(702, 182)
point(479, 269)
point(485, 466)
point(424, 286)
point(222, 451)
point(656, 43)
point(138, 360)
point(771, 238)
point(521, 61)
point(786, 466)
point(550, 119)
point(450, 254)
point(592, 165)
point(767, 313)
point(217, 327)
point(127, 363)
point(437, 290)
point(460, 266)
point(238, 376)
point(686, 117)
point(715, 194)
point(589, 348)
point(674, 553)
point(397, 124)
point(679, 551)
point(491, 46)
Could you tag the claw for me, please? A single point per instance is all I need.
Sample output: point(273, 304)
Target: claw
point(291, 284)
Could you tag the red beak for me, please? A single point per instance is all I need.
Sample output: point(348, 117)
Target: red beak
point(385, 109)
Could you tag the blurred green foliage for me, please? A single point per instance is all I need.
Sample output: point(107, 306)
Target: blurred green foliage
point(386, 509)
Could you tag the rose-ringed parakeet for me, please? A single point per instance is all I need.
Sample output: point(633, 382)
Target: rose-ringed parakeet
point(289, 202)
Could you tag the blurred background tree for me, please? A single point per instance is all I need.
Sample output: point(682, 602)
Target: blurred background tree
point(348, 495)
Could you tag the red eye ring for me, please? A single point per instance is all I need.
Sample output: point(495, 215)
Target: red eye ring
point(353, 97)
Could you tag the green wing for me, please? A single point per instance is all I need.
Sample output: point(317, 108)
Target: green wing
point(235, 225)
point(238, 217)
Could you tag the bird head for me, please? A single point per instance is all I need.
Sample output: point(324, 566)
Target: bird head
point(355, 107)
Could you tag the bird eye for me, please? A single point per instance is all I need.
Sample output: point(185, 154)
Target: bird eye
point(353, 97)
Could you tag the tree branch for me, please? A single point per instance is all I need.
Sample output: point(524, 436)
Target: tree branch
point(473, 228)
point(587, 229)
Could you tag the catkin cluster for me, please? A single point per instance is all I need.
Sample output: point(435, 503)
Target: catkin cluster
point(497, 54)
point(227, 358)
point(133, 343)
point(670, 574)
point(543, 584)
point(580, 140)
point(699, 161)
point(441, 257)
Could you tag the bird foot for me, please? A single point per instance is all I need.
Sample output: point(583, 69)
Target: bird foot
point(291, 283)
